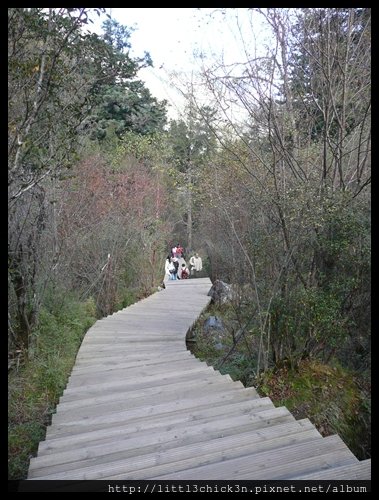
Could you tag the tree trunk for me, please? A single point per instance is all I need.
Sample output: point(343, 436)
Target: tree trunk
point(189, 210)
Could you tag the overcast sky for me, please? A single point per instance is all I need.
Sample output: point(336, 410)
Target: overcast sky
point(170, 36)
point(173, 35)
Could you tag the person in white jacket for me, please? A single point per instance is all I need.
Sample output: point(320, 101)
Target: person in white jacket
point(196, 264)
point(167, 268)
point(171, 268)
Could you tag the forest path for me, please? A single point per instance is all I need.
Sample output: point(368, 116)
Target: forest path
point(139, 405)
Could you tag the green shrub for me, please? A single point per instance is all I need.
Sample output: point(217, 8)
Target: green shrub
point(36, 386)
point(328, 395)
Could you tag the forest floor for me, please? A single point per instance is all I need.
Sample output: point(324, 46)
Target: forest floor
point(336, 399)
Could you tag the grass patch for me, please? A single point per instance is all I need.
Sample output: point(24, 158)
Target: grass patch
point(36, 386)
point(332, 397)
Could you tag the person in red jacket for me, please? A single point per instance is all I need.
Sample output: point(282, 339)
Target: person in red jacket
point(185, 272)
point(179, 251)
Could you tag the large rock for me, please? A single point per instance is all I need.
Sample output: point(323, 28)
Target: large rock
point(213, 323)
point(215, 329)
point(221, 292)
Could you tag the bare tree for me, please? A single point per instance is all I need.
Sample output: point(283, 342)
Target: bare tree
point(303, 157)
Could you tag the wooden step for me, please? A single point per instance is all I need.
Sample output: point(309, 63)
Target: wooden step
point(106, 361)
point(218, 450)
point(356, 471)
point(80, 379)
point(158, 423)
point(147, 409)
point(134, 383)
point(149, 398)
point(153, 418)
point(112, 363)
point(89, 358)
point(126, 348)
point(282, 464)
point(175, 389)
point(155, 443)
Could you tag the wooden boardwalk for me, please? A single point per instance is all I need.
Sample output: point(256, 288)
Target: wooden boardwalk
point(139, 405)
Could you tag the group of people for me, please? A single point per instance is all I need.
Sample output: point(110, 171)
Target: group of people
point(176, 266)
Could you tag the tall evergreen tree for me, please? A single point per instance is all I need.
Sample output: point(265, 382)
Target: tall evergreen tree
point(124, 103)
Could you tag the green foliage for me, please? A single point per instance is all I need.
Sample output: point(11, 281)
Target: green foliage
point(149, 149)
point(35, 387)
point(330, 396)
point(110, 61)
point(192, 141)
point(345, 30)
point(222, 349)
point(336, 399)
point(309, 320)
point(122, 102)
point(241, 367)
point(117, 35)
point(22, 440)
point(127, 297)
point(191, 145)
point(128, 107)
point(47, 54)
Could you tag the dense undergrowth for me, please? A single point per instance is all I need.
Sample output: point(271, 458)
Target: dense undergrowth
point(336, 398)
point(36, 381)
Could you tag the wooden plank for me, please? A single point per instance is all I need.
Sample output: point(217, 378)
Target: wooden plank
point(118, 338)
point(268, 465)
point(175, 389)
point(145, 413)
point(147, 409)
point(133, 347)
point(133, 383)
point(357, 471)
point(79, 379)
point(155, 423)
point(209, 457)
point(122, 362)
point(149, 397)
point(151, 442)
point(94, 357)
point(180, 457)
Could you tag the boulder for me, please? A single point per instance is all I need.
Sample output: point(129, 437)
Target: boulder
point(221, 292)
point(213, 323)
